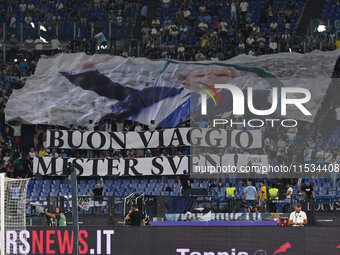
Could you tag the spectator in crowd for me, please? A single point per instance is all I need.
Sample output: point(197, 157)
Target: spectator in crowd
point(152, 126)
point(28, 166)
point(250, 196)
point(263, 197)
point(184, 184)
point(308, 191)
point(42, 152)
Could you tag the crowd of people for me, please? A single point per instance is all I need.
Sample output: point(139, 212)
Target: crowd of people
point(182, 30)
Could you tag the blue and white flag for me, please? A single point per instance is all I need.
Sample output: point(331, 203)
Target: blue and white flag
point(74, 88)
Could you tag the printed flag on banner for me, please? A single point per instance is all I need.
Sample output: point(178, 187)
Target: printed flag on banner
point(74, 88)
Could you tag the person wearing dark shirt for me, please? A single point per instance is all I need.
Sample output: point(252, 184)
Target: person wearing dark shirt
point(59, 219)
point(28, 165)
point(184, 183)
point(135, 217)
point(308, 190)
point(97, 194)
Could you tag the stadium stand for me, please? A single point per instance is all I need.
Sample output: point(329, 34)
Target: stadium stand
point(180, 30)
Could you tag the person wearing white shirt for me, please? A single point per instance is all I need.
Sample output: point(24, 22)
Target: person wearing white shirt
point(23, 7)
point(241, 45)
point(250, 41)
point(154, 31)
point(119, 126)
point(273, 46)
point(32, 152)
point(152, 126)
point(251, 52)
point(38, 43)
point(181, 48)
point(13, 22)
point(222, 26)
point(273, 25)
point(289, 191)
point(30, 7)
point(55, 43)
point(28, 20)
point(138, 128)
point(186, 13)
point(6, 158)
point(59, 6)
point(298, 217)
point(203, 26)
point(90, 126)
point(244, 7)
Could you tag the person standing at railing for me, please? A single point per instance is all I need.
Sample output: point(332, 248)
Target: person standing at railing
point(263, 197)
point(184, 184)
point(231, 191)
point(273, 195)
point(250, 196)
point(97, 194)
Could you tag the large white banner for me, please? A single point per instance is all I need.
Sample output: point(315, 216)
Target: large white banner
point(75, 88)
point(220, 138)
point(154, 166)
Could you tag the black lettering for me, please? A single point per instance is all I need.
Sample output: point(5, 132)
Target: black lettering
point(229, 132)
point(127, 167)
point(161, 138)
point(143, 138)
point(174, 168)
point(70, 139)
point(238, 139)
point(102, 140)
point(77, 166)
point(110, 167)
point(50, 169)
point(118, 141)
point(157, 165)
point(65, 162)
point(207, 137)
point(95, 165)
point(178, 138)
point(198, 139)
point(53, 138)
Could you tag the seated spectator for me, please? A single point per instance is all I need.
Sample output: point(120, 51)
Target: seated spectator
point(42, 152)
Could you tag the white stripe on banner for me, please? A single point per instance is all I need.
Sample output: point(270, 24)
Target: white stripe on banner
point(221, 138)
point(154, 166)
